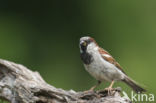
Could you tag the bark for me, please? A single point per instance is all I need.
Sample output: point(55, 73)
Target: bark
point(18, 84)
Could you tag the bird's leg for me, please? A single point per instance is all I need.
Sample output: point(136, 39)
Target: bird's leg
point(109, 89)
point(92, 88)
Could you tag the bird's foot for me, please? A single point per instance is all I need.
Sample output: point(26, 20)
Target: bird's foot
point(109, 90)
point(91, 90)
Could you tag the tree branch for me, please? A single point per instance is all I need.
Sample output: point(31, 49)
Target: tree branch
point(20, 85)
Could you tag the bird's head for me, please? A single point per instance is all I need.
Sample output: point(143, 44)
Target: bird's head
point(87, 43)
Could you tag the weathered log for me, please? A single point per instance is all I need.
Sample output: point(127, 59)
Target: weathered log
point(18, 84)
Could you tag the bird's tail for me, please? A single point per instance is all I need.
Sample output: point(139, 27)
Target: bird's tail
point(133, 85)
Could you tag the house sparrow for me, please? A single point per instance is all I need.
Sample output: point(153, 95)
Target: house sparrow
point(102, 66)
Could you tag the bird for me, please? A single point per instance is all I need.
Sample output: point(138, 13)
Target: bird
point(102, 66)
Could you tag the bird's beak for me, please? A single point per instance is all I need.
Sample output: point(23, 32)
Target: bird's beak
point(83, 43)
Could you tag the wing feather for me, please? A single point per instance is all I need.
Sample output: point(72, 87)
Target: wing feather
point(105, 55)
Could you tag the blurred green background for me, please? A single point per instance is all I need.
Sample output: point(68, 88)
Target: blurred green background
point(44, 36)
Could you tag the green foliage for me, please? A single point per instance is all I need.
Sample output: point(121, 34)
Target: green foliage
point(3, 101)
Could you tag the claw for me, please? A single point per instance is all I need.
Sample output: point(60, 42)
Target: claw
point(88, 91)
point(92, 88)
point(109, 89)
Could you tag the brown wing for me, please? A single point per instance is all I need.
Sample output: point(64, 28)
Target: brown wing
point(109, 58)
